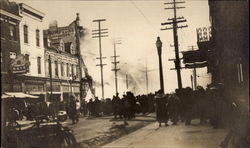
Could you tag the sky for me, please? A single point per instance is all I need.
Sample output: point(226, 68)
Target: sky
point(137, 24)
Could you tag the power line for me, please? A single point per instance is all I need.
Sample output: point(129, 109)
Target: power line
point(144, 16)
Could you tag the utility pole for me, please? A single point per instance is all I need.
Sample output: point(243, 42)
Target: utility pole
point(99, 33)
point(174, 22)
point(146, 77)
point(50, 78)
point(115, 65)
point(191, 77)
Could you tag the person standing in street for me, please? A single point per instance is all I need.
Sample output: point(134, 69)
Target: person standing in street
point(161, 108)
point(174, 103)
point(71, 109)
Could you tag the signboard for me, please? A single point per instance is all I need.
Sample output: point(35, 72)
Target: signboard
point(194, 56)
point(20, 65)
point(196, 65)
point(204, 34)
point(60, 32)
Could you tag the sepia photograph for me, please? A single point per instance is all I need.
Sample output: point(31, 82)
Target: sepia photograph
point(125, 74)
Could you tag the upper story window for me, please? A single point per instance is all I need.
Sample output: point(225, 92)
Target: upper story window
point(56, 68)
point(240, 73)
point(1, 56)
point(39, 69)
point(12, 32)
point(62, 69)
point(25, 33)
point(12, 55)
point(37, 38)
point(67, 66)
point(72, 70)
point(48, 42)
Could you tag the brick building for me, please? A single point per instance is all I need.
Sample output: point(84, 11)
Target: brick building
point(10, 43)
point(60, 46)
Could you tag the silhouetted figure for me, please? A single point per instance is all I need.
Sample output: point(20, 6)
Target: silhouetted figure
point(161, 108)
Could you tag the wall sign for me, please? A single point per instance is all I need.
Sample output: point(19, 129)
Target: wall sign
point(20, 64)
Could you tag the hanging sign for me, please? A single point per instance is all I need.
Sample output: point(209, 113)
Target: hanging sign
point(20, 65)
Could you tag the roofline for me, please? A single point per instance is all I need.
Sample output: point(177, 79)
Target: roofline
point(10, 14)
point(32, 9)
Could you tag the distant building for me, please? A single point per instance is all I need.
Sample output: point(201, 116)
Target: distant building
point(10, 43)
point(60, 46)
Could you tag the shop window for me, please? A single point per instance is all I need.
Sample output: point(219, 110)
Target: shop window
point(39, 65)
point(12, 55)
point(25, 33)
point(37, 38)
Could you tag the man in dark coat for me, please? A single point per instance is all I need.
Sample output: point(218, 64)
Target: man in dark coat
point(161, 108)
point(71, 110)
point(174, 103)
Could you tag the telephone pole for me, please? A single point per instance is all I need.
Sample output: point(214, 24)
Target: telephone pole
point(147, 77)
point(191, 77)
point(50, 78)
point(174, 22)
point(99, 33)
point(115, 65)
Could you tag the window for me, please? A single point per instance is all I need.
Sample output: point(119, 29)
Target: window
point(77, 71)
point(37, 38)
point(12, 32)
point(1, 56)
point(12, 55)
point(56, 68)
point(67, 69)
point(72, 70)
point(27, 58)
point(39, 70)
point(25, 33)
point(240, 74)
point(62, 69)
point(48, 42)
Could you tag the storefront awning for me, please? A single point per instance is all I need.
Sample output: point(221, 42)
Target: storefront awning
point(3, 96)
point(19, 95)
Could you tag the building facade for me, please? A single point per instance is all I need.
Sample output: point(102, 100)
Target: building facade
point(229, 61)
point(31, 43)
point(61, 53)
point(10, 43)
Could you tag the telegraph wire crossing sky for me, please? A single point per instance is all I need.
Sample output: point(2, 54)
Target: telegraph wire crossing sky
point(137, 24)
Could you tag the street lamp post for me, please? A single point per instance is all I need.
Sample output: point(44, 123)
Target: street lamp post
point(159, 49)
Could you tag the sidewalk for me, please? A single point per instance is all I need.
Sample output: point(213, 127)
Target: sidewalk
point(180, 136)
point(94, 132)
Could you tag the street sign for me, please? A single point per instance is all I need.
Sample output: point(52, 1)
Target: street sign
point(194, 56)
point(20, 65)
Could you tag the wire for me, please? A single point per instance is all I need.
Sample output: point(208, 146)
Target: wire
point(144, 16)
